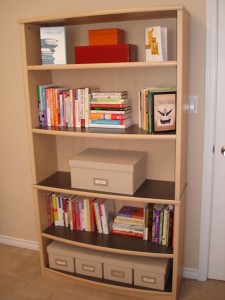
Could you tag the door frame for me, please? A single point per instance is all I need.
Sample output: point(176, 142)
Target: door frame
point(209, 136)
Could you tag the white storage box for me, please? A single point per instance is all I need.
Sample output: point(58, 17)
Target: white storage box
point(89, 262)
point(106, 170)
point(61, 256)
point(118, 267)
point(151, 272)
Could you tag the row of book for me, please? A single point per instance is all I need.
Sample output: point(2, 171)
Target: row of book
point(64, 107)
point(83, 107)
point(79, 212)
point(157, 109)
point(153, 223)
point(159, 223)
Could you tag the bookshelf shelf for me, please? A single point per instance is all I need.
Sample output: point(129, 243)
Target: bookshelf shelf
point(52, 147)
point(143, 64)
point(149, 191)
point(132, 132)
point(112, 242)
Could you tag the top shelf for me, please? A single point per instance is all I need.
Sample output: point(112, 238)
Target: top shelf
point(106, 16)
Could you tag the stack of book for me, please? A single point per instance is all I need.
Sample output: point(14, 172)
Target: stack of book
point(129, 221)
point(159, 226)
point(110, 110)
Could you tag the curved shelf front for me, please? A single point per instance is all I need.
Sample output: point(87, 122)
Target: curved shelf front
point(149, 191)
point(132, 132)
point(138, 64)
point(107, 242)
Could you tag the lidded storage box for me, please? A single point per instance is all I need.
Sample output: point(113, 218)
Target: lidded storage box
point(152, 272)
point(89, 262)
point(105, 53)
point(109, 36)
point(118, 267)
point(61, 256)
point(106, 170)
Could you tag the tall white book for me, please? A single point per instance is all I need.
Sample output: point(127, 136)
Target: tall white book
point(156, 43)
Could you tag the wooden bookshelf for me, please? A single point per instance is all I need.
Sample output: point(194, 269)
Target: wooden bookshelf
point(52, 147)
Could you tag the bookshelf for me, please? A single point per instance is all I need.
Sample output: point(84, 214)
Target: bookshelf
point(52, 147)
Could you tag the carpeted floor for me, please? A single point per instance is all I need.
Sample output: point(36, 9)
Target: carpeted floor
point(20, 279)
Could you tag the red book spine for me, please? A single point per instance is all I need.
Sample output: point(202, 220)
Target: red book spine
point(105, 106)
point(127, 233)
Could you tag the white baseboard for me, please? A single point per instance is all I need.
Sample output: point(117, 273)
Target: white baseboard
point(190, 273)
point(11, 241)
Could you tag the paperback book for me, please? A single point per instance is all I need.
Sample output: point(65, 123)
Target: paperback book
point(53, 45)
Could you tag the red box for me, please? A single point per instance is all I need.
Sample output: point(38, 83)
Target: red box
point(105, 54)
point(109, 36)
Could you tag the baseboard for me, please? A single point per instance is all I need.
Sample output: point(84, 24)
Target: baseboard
point(6, 240)
point(190, 273)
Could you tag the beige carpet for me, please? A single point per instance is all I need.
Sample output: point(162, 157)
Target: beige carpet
point(20, 279)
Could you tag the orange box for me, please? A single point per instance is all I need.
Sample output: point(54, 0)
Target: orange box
point(109, 36)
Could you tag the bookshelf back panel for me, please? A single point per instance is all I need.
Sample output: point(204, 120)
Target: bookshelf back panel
point(132, 80)
point(45, 156)
point(134, 34)
point(161, 153)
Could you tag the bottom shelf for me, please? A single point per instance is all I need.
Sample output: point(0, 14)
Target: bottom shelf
point(116, 287)
point(168, 287)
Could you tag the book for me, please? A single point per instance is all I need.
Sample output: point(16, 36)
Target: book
point(157, 212)
point(110, 95)
point(112, 109)
point(164, 111)
point(87, 99)
point(53, 45)
point(128, 122)
point(49, 205)
point(108, 101)
point(107, 215)
point(156, 43)
point(109, 116)
point(108, 105)
point(134, 234)
point(55, 210)
point(145, 230)
point(97, 214)
point(42, 107)
point(131, 212)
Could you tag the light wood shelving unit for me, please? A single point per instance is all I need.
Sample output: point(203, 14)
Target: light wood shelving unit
point(51, 148)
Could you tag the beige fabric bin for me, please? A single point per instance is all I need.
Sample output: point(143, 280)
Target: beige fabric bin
point(89, 262)
point(106, 170)
point(61, 256)
point(151, 272)
point(118, 267)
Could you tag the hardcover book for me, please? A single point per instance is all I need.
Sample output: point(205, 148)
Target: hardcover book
point(131, 212)
point(164, 111)
point(53, 45)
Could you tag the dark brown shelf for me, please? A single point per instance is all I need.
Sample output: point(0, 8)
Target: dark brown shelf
point(154, 189)
point(111, 241)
